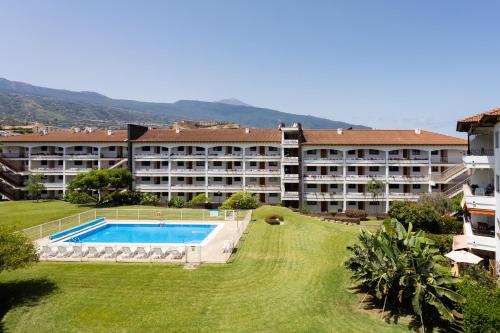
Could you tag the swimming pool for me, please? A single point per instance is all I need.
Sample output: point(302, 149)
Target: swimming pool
point(146, 233)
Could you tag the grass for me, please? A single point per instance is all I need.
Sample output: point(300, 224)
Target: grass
point(24, 214)
point(286, 278)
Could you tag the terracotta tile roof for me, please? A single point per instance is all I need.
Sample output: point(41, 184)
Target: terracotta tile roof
point(70, 136)
point(465, 124)
point(211, 135)
point(379, 137)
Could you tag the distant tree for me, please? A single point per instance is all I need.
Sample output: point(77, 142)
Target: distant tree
point(35, 186)
point(439, 201)
point(198, 200)
point(101, 181)
point(177, 202)
point(16, 250)
point(375, 187)
point(241, 200)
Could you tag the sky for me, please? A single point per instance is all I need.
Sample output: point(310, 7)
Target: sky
point(384, 64)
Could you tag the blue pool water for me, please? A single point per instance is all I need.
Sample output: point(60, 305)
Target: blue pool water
point(145, 233)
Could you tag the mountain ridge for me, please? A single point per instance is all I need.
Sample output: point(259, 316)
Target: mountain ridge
point(62, 107)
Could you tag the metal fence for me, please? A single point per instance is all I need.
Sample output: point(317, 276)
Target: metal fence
point(52, 227)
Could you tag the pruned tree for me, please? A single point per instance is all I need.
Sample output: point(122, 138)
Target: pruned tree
point(35, 186)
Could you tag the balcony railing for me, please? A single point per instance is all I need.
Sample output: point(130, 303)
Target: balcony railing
point(481, 152)
point(290, 142)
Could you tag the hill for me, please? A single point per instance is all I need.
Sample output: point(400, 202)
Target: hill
point(25, 102)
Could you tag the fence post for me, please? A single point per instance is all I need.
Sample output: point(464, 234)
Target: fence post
point(95, 214)
point(79, 218)
point(116, 213)
point(203, 215)
point(138, 214)
point(181, 214)
point(59, 224)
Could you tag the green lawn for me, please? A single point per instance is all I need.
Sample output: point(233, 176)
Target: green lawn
point(24, 214)
point(285, 278)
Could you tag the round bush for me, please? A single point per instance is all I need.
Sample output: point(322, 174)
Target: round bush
point(274, 219)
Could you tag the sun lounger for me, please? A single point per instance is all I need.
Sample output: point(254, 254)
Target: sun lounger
point(93, 252)
point(126, 252)
point(141, 253)
point(47, 252)
point(178, 253)
point(77, 252)
point(227, 246)
point(63, 251)
point(109, 252)
point(158, 253)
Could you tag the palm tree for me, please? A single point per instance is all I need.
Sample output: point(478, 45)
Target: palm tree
point(375, 187)
point(404, 267)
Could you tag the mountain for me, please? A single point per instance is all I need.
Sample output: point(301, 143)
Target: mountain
point(232, 101)
point(25, 102)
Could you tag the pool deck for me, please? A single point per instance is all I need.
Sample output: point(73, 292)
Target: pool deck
point(211, 252)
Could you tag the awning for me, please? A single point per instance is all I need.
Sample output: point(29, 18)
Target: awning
point(464, 257)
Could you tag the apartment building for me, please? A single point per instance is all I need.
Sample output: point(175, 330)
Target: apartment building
point(322, 170)
point(482, 190)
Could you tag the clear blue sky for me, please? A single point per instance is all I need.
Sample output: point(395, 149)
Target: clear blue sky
point(386, 64)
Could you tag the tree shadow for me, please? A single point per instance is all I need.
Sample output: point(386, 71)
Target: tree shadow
point(393, 313)
point(23, 293)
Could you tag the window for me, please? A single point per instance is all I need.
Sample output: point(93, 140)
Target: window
point(311, 186)
point(415, 169)
point(59, 177)
point(273, 195)
point(164, 163)
point(334, 185)
point(217, 164)
point(200, 179)
point(147, 148)
point(76, 162)
point(351, 152)
point(374, 203)
point(273, 148)
point(415, 152)
point(435, 169)
point(333, 168)
point(164, 179)
point(145, 163)
point(311, 152)
point(311, 168)
point(217, 194)
point(374, 152)
point(394, 186)
point(237, 149)
point(334, 203)
point(217, 148)
point(393, 168)
point(164, 149)
point(351, 168)
point(180, 179)
point(435, 152)
point(200, 149)
point(237, 179)
point(237, 163)
point(253, 164)
point(45, 148)
point(217, 179)
point(351, 203)
point(394, 152)
point(78, 148)
point(253, 148)
point(496, 140)
point(311, 203)
point(333, 152)
point(373, 169)
point(181, 163)
point(112, 148)
point(145, 179)
point(181, 148)
point(273, 164)
point(416, 186)
point(351, 186)
point(61, 162)
point(497, 183)
point(200, 163)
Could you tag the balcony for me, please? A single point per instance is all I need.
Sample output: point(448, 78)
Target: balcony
point(290, 159)
point(181, 156)
point(217, 157)
point(13, 155)
point(365, 160)
point(446, 160)
point(262, 157)
point(315, 160)
point(47, 156)
point(225, 188)
point(262, 172)
point(263, 188)
point(187, 172)
point(151, 171)
point(47, 170)
point(323, 196)
point(363, 196)
point(479, 198)
point(54, 186)
point(226, 172)
point(363, 178)
point(477, 240)
point(152, 187)
point(290, 195)
point(480, 159)
point(75, 170)
point(309, 179)
point(290, 142)
point(81, 156)
point(408, 161)
point(407, 179)
point(151, 156)
point(404, 196)
point(188, 187)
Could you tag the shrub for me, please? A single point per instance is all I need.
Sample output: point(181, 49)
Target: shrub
point(333, 212)
point(443, 242)
point(482, 309)
point(199, 200)
point(123, 198)
point(16, 250)
point(355, 220)
point(79, 198)
point(450, 225)
point(149, 199)
point(304, 211)
point(359, 213)
point(241, 200)
point(274, 219)
point(438, 201)
point(177, 202)
point(421, 216)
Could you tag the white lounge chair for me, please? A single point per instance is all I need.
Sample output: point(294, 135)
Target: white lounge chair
point(227, 246)
point(178, 253)
point(109, 252)
point(77, 252)
point(63, 251)
point(157, 253)
point(126, 252)
point(92, 252)
point(47, 252)
point(141, 253)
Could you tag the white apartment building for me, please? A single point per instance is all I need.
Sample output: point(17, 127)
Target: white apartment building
point(323, 170)
point(482, 191)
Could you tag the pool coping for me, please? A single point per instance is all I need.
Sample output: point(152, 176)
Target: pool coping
point(62, 241)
